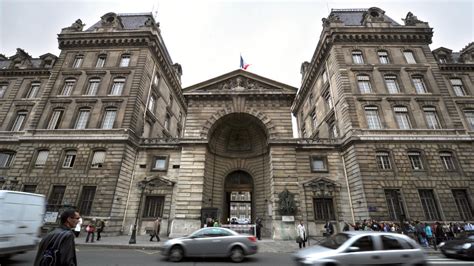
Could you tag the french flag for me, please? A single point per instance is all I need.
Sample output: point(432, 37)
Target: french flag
point(243, 65)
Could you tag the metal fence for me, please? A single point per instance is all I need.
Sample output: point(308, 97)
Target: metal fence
point(250, 229)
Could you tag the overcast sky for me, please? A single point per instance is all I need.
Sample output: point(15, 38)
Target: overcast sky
point(206, 37)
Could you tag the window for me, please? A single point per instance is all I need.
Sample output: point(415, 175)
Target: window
point(470, 118)
point(428, 202)
point(383, 160)
point(323, 209)
point(390, 242)
point(402, 118)
point(447, 160)
point(56, 197)
point(333, 133)
point(363, 81)
point(458, 88)
point(117, 86)
point(109, 119)
point(41, 158)
point(314, 119)
point(392, 84)
point(153, 206)
point(357, 57)
point(383, 57)
point(167, 122)
point(396, 210)
point(19, 120)
point(432, 120)
point(442, 59)
point(125, 60)
point(463, 204)
point(151, 104)
point(373, 119)
point(101, 61)
point(160, 163)
point(33, 91)
point(55, 119)
point(29, 188)
point(419, 84)
point(86, 200)
point(415, 160)
point(156, 78)
point(6, 159)
point(318, 163)
point(82, 119)
point(68, 87)
point(93, 87)
point(364, 243)
point(69, 159)
point(3, 89)
point(409, 57)
point(328, 100)
point(98, 159)
point(78, 61)
point(325, 77)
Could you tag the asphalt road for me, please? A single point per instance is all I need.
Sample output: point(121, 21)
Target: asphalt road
point(126, 257)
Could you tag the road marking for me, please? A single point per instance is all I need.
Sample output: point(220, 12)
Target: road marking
point(147, 252)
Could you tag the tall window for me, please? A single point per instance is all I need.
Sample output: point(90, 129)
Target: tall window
point(160, 163)
point(68, 87)
point(55, 119)
point(151, 104)
point(470, 117)
point(69, 159)
point(167, 122)
point(415, 160)
point(153, 206)
point(78, 61)
point(383, 160)
point(372, 116)
point(86, 199)
point(447, 159)
point(328, 100)
point(93, 87)
point(383, 57)
point(363, 81)
point(33, 91)
point(402, 118)
point(101, 60)
point(432, 120)
point(19, 121)
point(117, 86)
point(109, 118)
point(318, 163)
point(41, 158)
point(57, 194)
point(323, 209)
point(314, 120)
point(125, 60)
point(333, 132)
point(392, 84)
point(325, 76)
point(6, 159)
point(82, 119)
point(463, 204)
point(409, 57)
point(419, 84)
point(3, 89)
point(458, 88)
point(357, 57)
point(395, 204)
point(98, 159)
point(428, 202)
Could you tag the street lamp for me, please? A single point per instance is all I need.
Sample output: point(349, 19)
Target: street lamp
point(142, 186)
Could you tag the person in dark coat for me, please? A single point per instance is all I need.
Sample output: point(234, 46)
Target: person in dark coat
point(156, 230)
point(329, 228)
point(100, 228)
point(67, 249)
point(259, 226)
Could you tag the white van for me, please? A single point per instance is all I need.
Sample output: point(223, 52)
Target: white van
point(21, 216)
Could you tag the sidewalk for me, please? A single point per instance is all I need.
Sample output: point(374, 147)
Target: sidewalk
point(143, 242)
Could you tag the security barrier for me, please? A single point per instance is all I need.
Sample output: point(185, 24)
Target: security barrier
point(242, 228)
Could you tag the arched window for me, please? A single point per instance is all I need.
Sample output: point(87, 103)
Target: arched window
point(125, 60)
point(448, 160)
point(101, 61)
point(19, 120)
point(431, 116)
point(82, 118)
point(109, 118)
point(383, 57)
point(372, 116)
point(357, 57)
point(93, 86)
point(402, 117)
point(33, 91)
point(391, 84)
point(419, 84)
point(68, 86)
point(55, 119)
point(458, 87)
point(363, 82)
point(6, 158)
point(78, 61)
point(117, 86)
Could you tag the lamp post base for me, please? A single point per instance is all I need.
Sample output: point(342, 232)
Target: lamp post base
point(133, 238)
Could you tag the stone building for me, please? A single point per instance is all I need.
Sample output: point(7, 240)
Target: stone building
point(386, 130)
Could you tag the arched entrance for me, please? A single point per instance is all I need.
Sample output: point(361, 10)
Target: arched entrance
point(238, 203)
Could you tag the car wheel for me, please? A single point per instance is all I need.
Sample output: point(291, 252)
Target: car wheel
point(237, 254)
point(176, 254)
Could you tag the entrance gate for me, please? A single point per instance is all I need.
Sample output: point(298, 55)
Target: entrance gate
point(238, 208)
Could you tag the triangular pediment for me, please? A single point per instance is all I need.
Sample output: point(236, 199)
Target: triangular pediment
point(239, 82)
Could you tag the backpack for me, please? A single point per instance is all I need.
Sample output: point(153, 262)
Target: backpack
point(51, 255)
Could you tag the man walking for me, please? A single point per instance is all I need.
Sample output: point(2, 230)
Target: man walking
point(100, 228)
point(259, 225)
point(156, 230)
point(66, 248)
point(302, 237)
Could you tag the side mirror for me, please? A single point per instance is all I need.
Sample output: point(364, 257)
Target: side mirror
point(353, 249)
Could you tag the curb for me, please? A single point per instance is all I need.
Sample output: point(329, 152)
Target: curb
point(119, 246)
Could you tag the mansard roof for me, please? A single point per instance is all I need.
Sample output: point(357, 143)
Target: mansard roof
point(131, 21)
point(354, 17)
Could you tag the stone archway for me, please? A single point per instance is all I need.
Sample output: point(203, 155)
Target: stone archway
point(238, 195)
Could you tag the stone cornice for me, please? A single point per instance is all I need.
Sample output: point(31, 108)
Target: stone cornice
point(456, 67)
point(25, 72)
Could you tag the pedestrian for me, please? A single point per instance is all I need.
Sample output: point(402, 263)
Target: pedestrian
point(210, 222)
point(216, 223)
point(429, 236)
point(156, 230)
point(259, 226)
point(90, 229)
point(66, 248)
point(100, 228)
point(302, 237)
point(329, 228)
point(77, 229)
point(346, 227)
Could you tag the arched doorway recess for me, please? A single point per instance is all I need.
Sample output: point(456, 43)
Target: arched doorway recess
point(238, 204)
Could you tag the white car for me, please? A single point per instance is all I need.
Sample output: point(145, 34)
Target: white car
point(363, 248)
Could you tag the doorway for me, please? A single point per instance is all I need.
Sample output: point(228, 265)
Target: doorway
point(238, 208)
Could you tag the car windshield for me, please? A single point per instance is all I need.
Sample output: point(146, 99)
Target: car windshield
point(335, 241)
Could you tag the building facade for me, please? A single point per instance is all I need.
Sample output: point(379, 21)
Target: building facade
point(385, 124)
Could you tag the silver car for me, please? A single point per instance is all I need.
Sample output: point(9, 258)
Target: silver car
point(211, 242)
point(363, 248)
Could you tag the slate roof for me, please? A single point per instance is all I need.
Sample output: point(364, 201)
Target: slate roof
point(129, 21)
point(353, 17)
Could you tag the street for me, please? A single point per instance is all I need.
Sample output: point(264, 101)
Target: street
point(108, 256)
